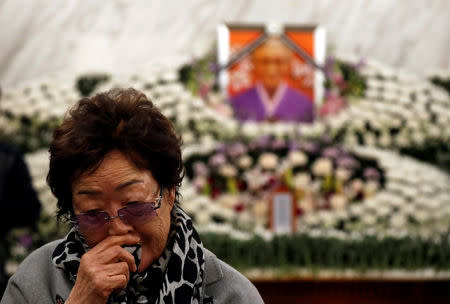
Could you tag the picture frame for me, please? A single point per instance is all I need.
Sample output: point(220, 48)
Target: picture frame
point(282, 211)
point(239, 68)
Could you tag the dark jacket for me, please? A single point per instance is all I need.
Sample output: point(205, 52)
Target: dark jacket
point(19, 205)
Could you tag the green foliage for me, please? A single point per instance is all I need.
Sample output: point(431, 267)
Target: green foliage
point(32, 133)
point(444, 83)
point(345, 78)
point(86, 84)
point(313, 253)
point(199, 76)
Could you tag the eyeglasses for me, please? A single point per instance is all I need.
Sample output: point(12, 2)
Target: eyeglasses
point(135, 214)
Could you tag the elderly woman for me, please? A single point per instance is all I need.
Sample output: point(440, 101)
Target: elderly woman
point(115, 168)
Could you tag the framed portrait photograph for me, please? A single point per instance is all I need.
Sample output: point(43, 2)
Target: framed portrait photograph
point(272, 72)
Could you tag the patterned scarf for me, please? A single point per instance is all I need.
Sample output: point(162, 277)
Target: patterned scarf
point(176, 277)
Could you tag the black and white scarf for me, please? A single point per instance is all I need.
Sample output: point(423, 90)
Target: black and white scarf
point(176, 277)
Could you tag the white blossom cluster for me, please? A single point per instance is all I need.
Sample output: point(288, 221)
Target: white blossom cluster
point(38, 164)
point(414, 202)
point(43, 99)
point(193, 119)
point(398, 111)
point(29, 112)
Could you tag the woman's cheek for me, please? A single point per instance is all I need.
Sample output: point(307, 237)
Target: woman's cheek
point(154, 239)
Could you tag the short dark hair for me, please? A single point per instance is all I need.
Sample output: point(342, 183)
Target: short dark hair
point(122, 119)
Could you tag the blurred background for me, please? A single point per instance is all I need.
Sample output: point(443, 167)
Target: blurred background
point(42, 37)
point(369, 178)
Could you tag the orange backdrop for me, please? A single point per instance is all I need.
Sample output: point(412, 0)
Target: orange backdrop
point(241, 74)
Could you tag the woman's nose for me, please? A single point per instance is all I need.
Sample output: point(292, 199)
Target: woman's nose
point(118, 227)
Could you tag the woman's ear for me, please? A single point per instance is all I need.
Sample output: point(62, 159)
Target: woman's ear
point(171, 197)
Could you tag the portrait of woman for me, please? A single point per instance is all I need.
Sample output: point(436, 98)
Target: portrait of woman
point(115, 169)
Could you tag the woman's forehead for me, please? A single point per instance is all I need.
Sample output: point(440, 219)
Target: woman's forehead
point(116, 171)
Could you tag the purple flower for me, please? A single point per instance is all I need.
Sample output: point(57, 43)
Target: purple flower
point(222, 148)
point(293, 145)
point(326, 139)
point(263, 142)
point(237, 149)
point(329, 66)
point(278, 144)
point(371, 173)
point(200, 168)
point(26, 241)
point(347, 162)
point(338, 78)
point(213, 67)
point(360, 64)
point(217, 160)
point(310, 147)
point(331, 152)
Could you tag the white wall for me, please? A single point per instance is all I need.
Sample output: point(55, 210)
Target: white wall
point(39, 37)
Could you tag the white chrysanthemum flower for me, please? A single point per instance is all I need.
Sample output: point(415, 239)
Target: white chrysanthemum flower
point(268, 161)
point(351, 139)
point(402, 140)
point(370, 139)
point(297, 158)
point(384, 140)
point(245, 161)
point(188, 137)
point(357, 209)
point(383, 210)
point(322, 167)
point(418, 138)
point(260, 209)
point(343, 174)
point(301, 180)
point(307, 204)
point(228, 170)
point(357, 185)
point(398, 220)
point(370, 188)
point(338, 201)
point(202, 217)
point(250, 129)
point(368, 219)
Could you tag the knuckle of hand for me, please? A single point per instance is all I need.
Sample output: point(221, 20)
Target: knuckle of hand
point(123, 280)
point(106, 292)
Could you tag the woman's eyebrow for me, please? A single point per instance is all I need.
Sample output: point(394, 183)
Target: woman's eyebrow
point(89, 192)
point(129, 183)
point(119, 187)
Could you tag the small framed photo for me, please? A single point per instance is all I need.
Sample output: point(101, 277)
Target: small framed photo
point(282, 212)
point(272, 72)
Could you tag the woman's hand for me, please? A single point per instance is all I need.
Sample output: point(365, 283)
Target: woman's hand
point(103, 270)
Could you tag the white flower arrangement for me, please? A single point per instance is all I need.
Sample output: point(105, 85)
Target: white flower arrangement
point(398, 111)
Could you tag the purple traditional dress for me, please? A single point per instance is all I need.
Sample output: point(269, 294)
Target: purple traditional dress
point(287, 104)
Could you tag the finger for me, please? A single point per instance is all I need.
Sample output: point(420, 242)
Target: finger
point(117, 269)
point(118, 282)
point(110, 255)
point(117, 254)
point(111, 284)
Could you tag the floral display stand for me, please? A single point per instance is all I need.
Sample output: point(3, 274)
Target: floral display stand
point(369, 179)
